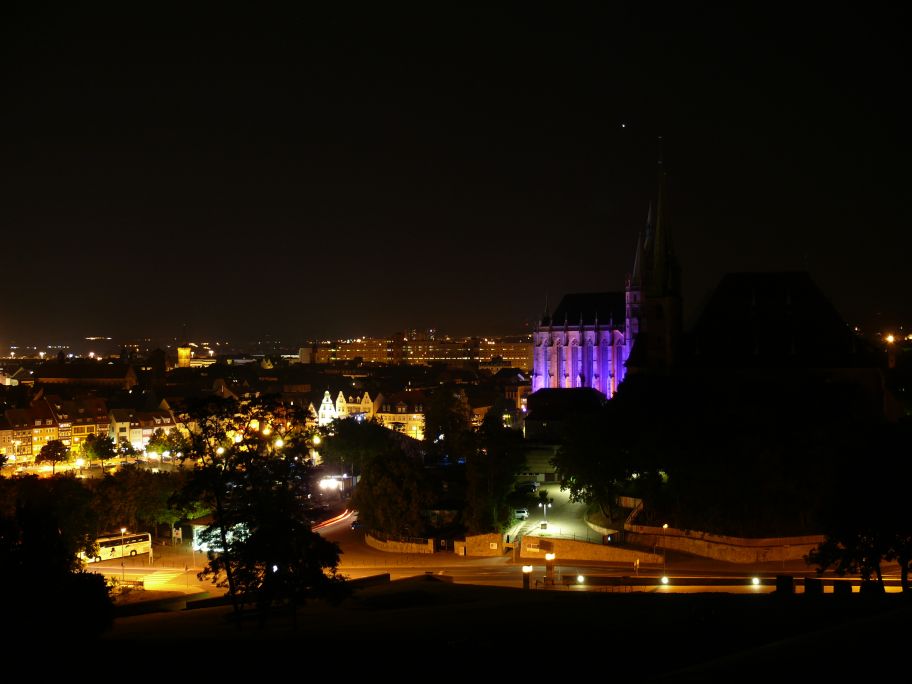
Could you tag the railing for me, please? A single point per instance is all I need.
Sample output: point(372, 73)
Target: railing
point(590, 536)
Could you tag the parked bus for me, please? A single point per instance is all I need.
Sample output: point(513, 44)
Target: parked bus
point(120, 545)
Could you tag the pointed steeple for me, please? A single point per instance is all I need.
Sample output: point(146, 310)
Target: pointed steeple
point(650, 228)
point(636, 278)
point(664, 275)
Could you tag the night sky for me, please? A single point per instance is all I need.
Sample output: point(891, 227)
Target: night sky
point(331, 172)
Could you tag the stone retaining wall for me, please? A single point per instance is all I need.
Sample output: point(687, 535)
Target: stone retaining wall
point(398, 546)
point(721, 547)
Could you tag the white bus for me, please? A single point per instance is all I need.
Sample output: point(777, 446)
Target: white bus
point(120, 545)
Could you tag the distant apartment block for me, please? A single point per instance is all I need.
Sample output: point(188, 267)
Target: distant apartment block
point(425, 348)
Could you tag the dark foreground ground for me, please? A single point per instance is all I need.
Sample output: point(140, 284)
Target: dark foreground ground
point(458, 629)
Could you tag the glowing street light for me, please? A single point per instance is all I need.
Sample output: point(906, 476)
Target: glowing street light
point(527, 572)
point(544, 505)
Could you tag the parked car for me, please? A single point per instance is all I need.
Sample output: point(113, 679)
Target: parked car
point(356, 524)
point(527, 487)
point(521, 513)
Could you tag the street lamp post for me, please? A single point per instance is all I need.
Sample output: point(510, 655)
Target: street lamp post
point(664, 552)
point(549, 568)
point(123, 572)
point(544, 506)
point(313, 450)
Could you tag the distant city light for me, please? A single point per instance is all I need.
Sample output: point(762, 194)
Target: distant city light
point(890, 338)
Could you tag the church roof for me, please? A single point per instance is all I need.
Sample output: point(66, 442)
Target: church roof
point(587, 308)
point(88, 370)
point(775, 319)
point(560, 404)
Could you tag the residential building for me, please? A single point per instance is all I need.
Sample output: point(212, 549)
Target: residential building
point(404, 412)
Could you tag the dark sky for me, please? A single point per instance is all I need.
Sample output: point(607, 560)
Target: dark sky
point(349, 171)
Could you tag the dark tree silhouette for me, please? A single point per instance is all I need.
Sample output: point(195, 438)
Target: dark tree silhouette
point(54, 451)
point(253, 472)
point(137, 498)
point(393, 495)
point(448, 432)
point(867, 519)
point(354, 442)
point(490, 473)
point(43, 524)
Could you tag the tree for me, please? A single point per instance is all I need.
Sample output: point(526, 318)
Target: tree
point(125, 449)
point(859, 538)
point(158, 442)
point(591, 465)
point(254, 473)
point(448, 432)
point(137, 498)
point(98, 447)
point(392, 495)
point(178, 443)
point(54, 451)
point(490, 473)
point(43, 524)
point(354, 442)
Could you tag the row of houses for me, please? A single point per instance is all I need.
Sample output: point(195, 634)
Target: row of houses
point(402, 411)
point(24, 431)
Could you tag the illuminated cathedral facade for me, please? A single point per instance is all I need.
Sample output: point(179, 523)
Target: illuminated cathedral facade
point(595, 339)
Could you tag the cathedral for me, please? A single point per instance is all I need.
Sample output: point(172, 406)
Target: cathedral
point(595, 339)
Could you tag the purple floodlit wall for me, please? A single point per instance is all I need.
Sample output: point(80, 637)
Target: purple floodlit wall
point(581, 356)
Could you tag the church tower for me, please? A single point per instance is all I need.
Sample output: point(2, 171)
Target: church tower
point(592, 339)
point(656, 323)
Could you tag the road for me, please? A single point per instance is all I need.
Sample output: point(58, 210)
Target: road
point(174, 568)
